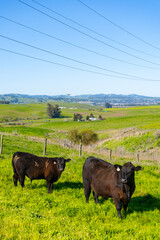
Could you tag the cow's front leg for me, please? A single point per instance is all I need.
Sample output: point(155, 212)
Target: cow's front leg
point(95, 197)
point(125, 205)
point(118, 206)
point(50, 186)
point(125, 201)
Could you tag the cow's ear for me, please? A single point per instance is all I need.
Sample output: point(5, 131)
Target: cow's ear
point(137, 168)
point(68, 160)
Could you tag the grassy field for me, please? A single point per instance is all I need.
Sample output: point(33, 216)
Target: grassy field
point(14, 112)
point(132, 130)
point(32, 213)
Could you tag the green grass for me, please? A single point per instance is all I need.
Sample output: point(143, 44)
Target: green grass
point(140, 117)
point(26, 130)
point(22, 111)
point(32, 213)
point(34, 122)
point(134, 143)
point(14, 112)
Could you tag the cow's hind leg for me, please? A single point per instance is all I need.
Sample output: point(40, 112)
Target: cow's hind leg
point(15, 179)
point(87, 189)
point(95, 197)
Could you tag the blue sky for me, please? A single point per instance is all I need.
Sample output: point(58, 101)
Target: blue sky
point(79, 51)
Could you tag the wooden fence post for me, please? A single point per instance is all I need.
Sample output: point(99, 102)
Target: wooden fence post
point(80, 148)
point(137, 157)
point(110, 154)
point(1, 149)
point(45, 147)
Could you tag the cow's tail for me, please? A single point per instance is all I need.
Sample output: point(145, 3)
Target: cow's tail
point(15, 175)
point(13, 162)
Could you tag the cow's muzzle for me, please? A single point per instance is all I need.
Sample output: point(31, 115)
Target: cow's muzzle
point(124, 180)
point(61, 169)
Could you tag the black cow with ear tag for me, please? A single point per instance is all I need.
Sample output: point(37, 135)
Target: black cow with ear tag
point(34, 167)
point(109, 181)
point(126, 177)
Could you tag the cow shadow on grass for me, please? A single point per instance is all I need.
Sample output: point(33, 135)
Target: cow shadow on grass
point(59, 185)
point(66, 184)
point(143, 203)
point(139, 203)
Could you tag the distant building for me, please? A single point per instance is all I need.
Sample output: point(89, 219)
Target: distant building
point(92, 119)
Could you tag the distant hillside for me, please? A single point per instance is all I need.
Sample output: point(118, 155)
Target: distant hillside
point(95, 99)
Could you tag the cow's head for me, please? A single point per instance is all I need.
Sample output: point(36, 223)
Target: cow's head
point(60, 163)
point(127, 172)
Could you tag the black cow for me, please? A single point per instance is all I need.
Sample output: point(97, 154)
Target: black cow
point(109, 181)
point(34, 167)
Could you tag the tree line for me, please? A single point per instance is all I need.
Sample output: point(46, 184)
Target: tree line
point(54, 111)
point(4, 102)
point(79, 117)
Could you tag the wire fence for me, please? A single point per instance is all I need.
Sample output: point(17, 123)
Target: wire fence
point(92, 149)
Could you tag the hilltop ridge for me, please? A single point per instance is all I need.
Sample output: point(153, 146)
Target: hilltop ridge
point(94, 99)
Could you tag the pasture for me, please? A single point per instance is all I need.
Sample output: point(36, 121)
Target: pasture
point(32, 213)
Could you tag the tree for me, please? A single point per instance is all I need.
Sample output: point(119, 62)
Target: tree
point(108, 105)
point(49, 110)
point(57, 111)
point(85, 137)
point(74, 117)
point(100, 117)
point(77, 117)
point(87, 118)
point(53, 111)
point(91, 115)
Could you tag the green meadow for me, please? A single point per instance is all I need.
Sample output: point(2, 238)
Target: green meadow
point(34, 214)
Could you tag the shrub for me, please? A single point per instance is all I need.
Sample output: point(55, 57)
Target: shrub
point(86, 137)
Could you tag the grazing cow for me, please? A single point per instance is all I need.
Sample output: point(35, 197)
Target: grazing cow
point(34, 167)
point(109, 181)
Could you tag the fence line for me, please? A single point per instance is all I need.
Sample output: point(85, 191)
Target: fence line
point(92, 149)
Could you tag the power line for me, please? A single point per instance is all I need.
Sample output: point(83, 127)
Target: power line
point(93, 31)
point(71, 59)
point(73, 28)
point(118, 26)
point(75, 68)
point(74, 45)
point(59, 64)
